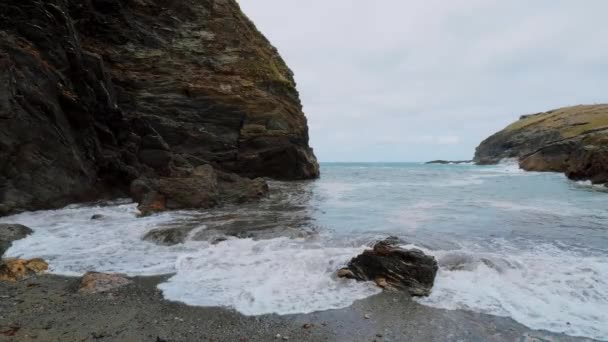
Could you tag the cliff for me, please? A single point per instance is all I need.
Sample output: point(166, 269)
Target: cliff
point(95, 94)
point(573, 140)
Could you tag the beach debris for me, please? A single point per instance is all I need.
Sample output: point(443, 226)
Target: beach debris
point(94, 282)
point(394, 268)
point(18, 269)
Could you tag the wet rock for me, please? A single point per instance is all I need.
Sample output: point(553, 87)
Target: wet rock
point(10, 233)
point(394, 268)
point(168, 236)
point(197, 188)
point(345, 273)
point(93, 282)
point(97, 217)
point(18, 269)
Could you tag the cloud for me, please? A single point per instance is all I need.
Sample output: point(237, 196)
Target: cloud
point(445, 73)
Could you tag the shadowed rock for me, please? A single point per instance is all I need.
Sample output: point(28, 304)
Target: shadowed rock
point(10, 233)
point(394, 268)
point(197, 188)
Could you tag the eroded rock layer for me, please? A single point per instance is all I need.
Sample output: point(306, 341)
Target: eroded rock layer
point(573, 140)
point(97, 93)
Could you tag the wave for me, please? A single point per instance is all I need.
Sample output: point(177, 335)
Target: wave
point(546, 287)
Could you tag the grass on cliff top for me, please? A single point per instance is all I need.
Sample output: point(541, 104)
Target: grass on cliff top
point(570, 121)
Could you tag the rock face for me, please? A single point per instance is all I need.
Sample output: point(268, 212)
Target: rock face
point(394, 268)
point(95, 94)
point(573, 140)
point(93, 282)
point(10, 233)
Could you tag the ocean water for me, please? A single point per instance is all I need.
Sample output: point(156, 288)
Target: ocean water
point(530, 246)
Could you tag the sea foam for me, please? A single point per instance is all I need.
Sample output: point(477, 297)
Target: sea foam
point(544, 287)
point(254, 277)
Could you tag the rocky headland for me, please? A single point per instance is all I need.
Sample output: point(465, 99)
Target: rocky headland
point(572, 140)
point(186, 95)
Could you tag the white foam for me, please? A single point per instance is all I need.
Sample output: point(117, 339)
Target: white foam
point(254, 277)
point(73, 244)
point(260, 277)
point(542, 288)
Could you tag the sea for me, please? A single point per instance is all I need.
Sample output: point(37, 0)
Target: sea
point(525, 245)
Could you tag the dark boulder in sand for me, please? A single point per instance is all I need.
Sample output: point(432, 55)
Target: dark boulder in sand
point(394, 268)
point(10, 233)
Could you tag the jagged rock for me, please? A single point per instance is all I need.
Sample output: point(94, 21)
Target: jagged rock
point(200, 187)
point(572, 140)
point(97, 94)
point(394, 268)
point(94, 282)
point(17, 269)
point(10, 233)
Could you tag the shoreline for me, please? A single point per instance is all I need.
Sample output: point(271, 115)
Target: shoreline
point(48, 308)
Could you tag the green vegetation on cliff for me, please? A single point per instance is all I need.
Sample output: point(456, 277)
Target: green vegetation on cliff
point(573, 140)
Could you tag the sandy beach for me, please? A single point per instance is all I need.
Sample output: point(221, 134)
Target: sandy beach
point(49, 308)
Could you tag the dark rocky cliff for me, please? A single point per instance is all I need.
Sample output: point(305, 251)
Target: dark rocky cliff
point(97, 93)
point(573, 140)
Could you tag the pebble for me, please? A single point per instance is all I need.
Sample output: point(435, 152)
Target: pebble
point(366, 316)
point(307, 326)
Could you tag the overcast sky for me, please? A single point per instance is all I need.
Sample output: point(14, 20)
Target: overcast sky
point(414, 80)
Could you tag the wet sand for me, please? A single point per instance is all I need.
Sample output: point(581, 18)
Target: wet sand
point(48, 308)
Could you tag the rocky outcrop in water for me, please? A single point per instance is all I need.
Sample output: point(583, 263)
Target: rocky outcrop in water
point(95, 94)
point(573, 140)
point(447, 162)
point(394, 268)
point(10, 233)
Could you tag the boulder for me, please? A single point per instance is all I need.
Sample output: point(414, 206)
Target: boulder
point(94, 282)
point(10, 233)
point(195, 188)
point(17, 269)
point(394, 268)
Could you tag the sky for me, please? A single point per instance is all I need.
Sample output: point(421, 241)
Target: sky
point(417, 80)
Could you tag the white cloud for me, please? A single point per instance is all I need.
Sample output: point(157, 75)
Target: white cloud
point(454, 71)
